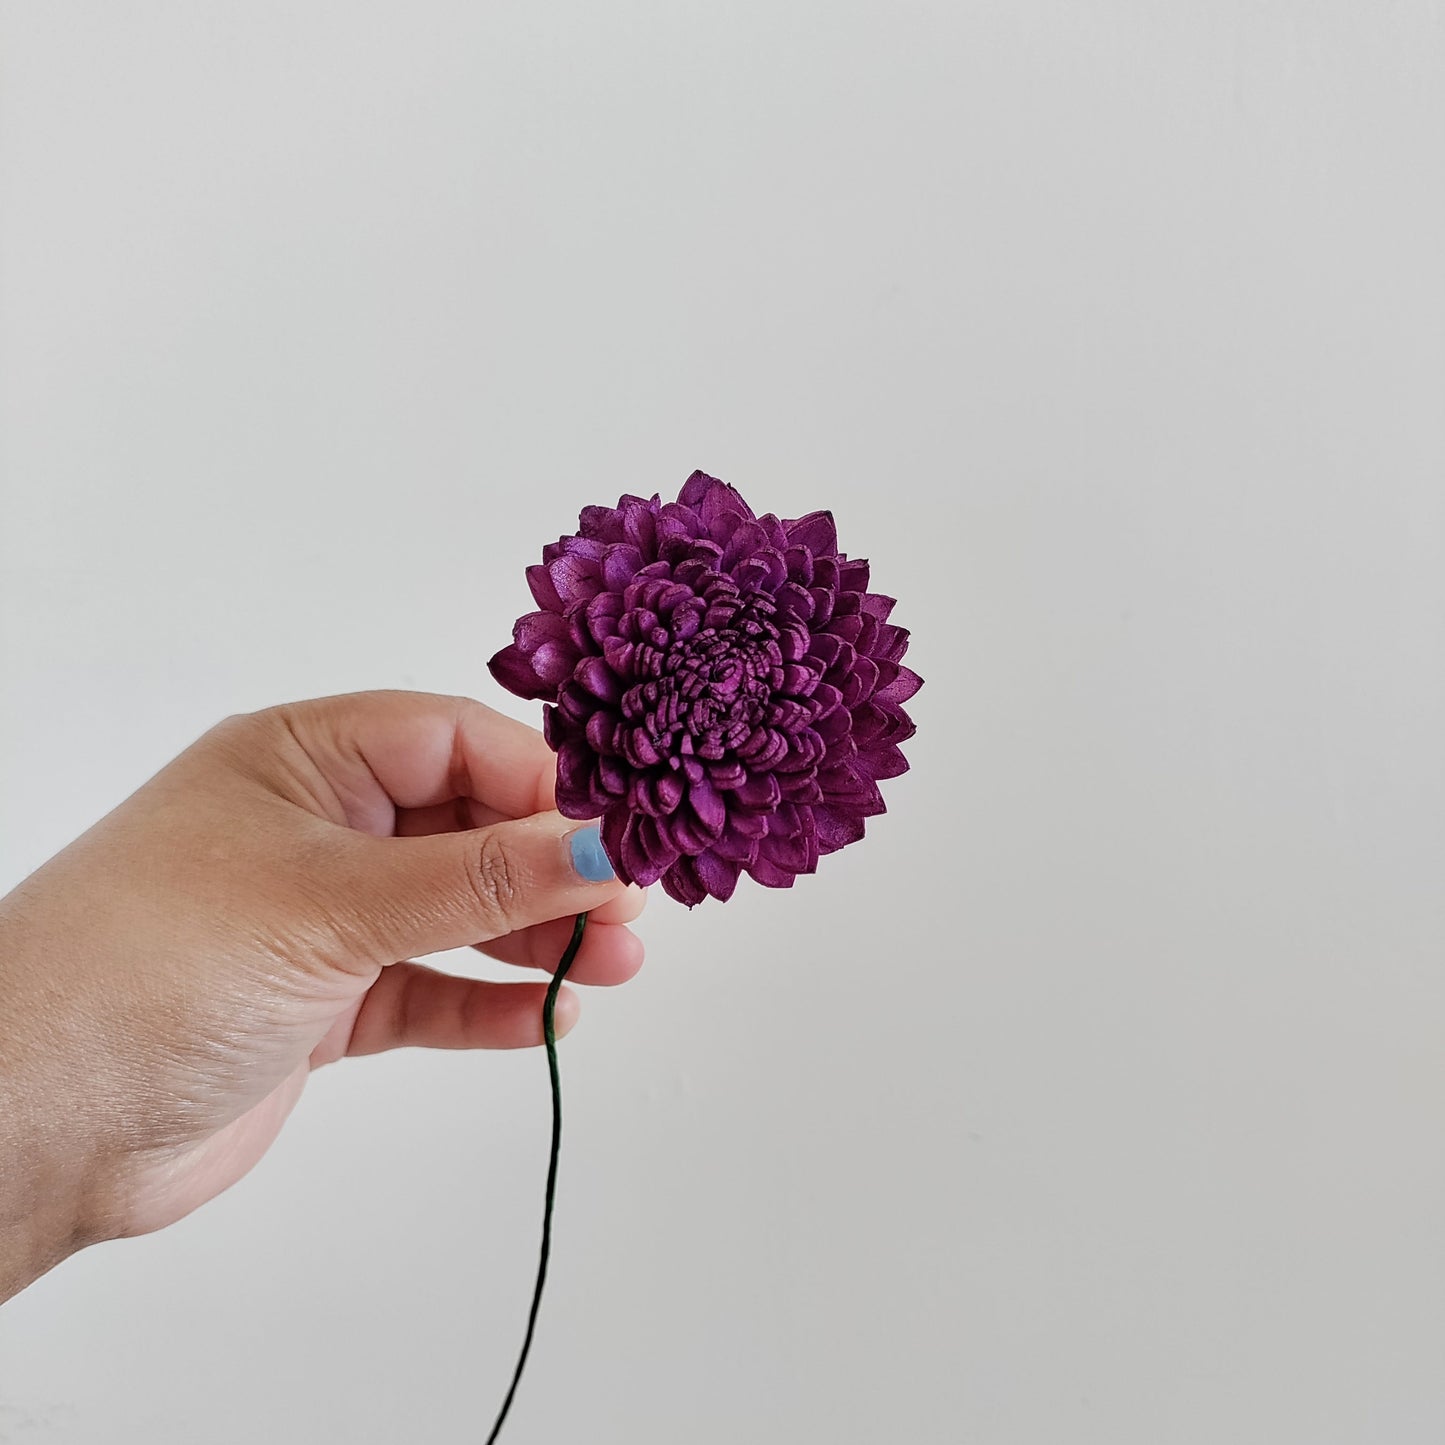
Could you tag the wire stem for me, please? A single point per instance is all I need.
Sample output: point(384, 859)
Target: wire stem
point(549, 1034)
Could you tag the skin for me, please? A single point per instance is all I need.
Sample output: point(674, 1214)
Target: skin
point(170, 979)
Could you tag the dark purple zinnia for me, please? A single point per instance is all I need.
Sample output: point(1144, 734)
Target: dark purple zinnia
point(725, 691)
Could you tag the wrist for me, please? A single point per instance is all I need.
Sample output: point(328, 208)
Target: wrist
point(46, 1134)
point(43, 1197)
point(41, 1212)
point(42, 1192)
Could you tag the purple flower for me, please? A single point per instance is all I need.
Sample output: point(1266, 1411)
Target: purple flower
point(725, 692)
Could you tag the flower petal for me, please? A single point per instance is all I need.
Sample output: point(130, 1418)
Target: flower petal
point(708, 807)
point(613, 775)
point(816, 532)
point(901, 688)
point(796, 601)
point(601, 615)
point(760, 791)
point(801, 789)
point(763, 571)
point(769, 874)
point(718, 875)
point(622, 564)
point(576, 767)
point(696, 487)
point(643, 854)
point(718, 503)
point(683, 882)
point(513, 669)
point(834, 725)
point(669, 789)
point(681, 829)
point(796, 852)
point(887, 762)
point(553, 662)
point(599, 679)
point(870, 723)
point(575, 578)
point(678, 521)
point(728, 774)
point(639, 519)
point(748, 824)
point(861, 681)
point(737, 846)
point(889, 642)
point(602, 733)
point(836, 828)
point(747, 539)
point(540, 583)
point(824, 650)
point(619, 653)
point(602, 523)
point(537, 628)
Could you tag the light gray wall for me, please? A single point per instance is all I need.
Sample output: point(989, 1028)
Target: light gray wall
point(1097, 1097)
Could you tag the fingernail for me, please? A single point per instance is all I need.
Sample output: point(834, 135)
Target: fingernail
point(588, 856)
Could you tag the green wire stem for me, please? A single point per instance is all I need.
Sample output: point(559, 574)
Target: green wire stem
point(549, 1033)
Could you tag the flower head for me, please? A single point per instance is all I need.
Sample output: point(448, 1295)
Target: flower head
point(722, 688)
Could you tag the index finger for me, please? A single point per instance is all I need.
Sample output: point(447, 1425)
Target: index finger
point(381, 752)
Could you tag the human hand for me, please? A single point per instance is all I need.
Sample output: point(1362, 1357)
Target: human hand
point(168, 981)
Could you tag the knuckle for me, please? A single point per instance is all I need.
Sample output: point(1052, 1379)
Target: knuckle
point(269, 719)
point(245, 733)
point(498, 883)
point(237, 728)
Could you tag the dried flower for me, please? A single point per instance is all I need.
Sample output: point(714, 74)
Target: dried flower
point(723, 689)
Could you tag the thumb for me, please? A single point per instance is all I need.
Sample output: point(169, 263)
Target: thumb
point(403, 896)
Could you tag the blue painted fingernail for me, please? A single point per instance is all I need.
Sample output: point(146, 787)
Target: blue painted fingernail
point(588, 856)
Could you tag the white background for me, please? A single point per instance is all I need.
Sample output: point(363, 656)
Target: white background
point(1099, 1095)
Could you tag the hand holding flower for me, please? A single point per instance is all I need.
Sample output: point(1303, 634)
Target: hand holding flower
point(170, 979)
